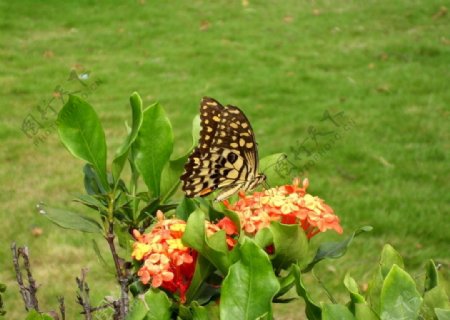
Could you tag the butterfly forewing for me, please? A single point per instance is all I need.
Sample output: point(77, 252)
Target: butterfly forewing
point(226, 156)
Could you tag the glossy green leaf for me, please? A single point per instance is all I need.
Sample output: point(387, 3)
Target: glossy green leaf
point(82, 134)
point(432, 299)
point(122, 153)
point(442, 314)
point(399, 298)
point(199, 312)
point(70, 220)
point(336, 312)
point(214, 248)
point(149, 210)
point(355, 296)
point(250, 285)
point(92, 182)
point(198, 287)
point(264, 238)
point(374, 290)
point(334, 250)
point(291, 245)
point(364, 312)
point(389, 257)
point(352, 287)
point(431, 276)
point(273, 166)
point(185, 208)
point(153, 305)
point(170, 179)
point(287, 282)
point(153, 147)
point(312, 310)
point(91, 201)
point(184, 313)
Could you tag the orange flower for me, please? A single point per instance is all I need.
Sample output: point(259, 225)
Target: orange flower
point(289, 204)
point(167, 262)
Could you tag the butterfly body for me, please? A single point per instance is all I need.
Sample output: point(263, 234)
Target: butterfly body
point(226, 157)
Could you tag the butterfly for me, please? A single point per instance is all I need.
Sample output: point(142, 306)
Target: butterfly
point(226, 157)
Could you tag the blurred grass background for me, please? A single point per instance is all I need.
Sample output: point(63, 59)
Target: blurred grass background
point(385, 64)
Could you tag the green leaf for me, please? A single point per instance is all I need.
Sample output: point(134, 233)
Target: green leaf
point(92, 182)
point(70, 220)
point(199, 312)
point(442, 314)
point(291, 245)
point(34, 315)
point(374, 290)
point(250, 285)
point(271, 167)
point(91, 202)
point(203, 269)
point(82, 134)
point(153, 147)
point(214, 248)
point(355, 296)
point(286, 283)
point(170, 179)
point(312, 310)
point(185, 208)
point(364, 312)
point(264, 238)
point(431, 276)
point(122, 153)
point(153, 305)
point(149, 210)
point(334, 250)
point(399, 297)
point(336, 312)
point(184, 313)
point(432, 299)
point(389, 257)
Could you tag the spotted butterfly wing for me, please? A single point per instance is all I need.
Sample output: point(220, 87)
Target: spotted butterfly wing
point(226, 157)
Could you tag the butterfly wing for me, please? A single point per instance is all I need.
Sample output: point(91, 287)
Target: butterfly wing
point(226, 156)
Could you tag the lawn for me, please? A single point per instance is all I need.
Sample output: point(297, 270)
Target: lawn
point(383, 65)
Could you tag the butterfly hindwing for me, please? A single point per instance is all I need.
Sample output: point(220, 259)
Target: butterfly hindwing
point(226, 156)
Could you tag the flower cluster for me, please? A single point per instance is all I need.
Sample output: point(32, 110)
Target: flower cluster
point(167, 262)
point(289, 204)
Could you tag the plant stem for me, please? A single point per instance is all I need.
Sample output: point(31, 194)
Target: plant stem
point(121, 274)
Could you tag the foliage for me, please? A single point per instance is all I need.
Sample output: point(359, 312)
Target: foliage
point(214, 252)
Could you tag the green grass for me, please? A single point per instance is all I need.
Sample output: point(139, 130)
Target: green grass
point(385, 64)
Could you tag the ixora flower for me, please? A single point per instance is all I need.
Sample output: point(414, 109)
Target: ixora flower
point(289, 204)
point(168, 263)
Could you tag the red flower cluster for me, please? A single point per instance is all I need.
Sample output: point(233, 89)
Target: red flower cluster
point(169, 264)
point(289, 204)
